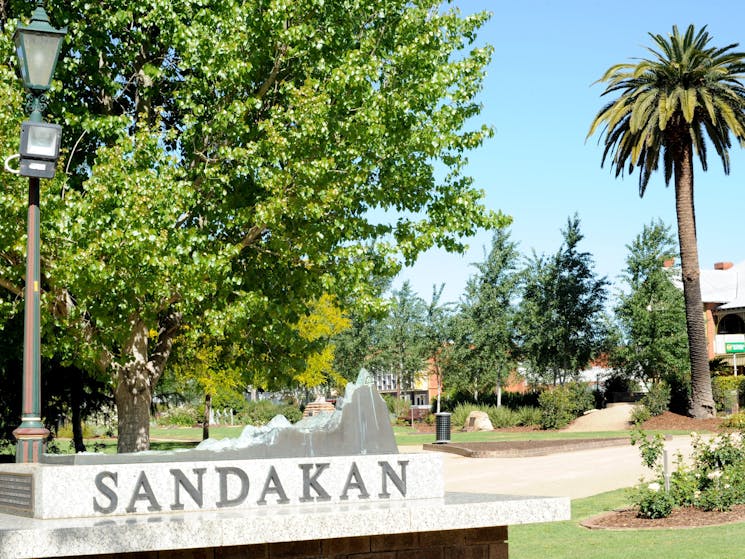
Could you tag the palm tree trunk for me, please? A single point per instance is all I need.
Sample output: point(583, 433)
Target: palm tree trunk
point(702, 403)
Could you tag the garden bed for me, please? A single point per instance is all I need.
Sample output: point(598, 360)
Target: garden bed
point(682, 517)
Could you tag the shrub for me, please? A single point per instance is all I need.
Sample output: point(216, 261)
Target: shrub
point(398, 407)
point(683, 485)
point(261, 412)
point(653, 501)
point(680, 391)
point(292, 413)
point(580, 396)
point(715, 480)
point(502, 417)
point(651, 447)
point(181, 416)
point(640, 414)
point(721, 494)
point(529, 416)
point(556, 408)
point(721, 387)
point(657, 400)
point(512, 400)
point(735, 421)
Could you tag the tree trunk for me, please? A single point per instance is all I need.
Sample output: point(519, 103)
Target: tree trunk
point(499, 393)
point(76, 402)
point(133, 397)
point(206, 418)
point(136, 379)
point(702, 402)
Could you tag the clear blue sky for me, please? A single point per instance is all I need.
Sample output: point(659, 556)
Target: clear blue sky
point(540, 98)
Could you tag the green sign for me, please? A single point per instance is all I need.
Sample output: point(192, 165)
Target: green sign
point(734, 347)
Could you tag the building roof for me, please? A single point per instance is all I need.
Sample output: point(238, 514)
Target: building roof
point(724, 286)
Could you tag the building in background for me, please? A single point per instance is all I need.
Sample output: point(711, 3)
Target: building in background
point(723, 295)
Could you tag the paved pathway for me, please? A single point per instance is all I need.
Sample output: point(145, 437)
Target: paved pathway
point(616, 417)
point(569, 474)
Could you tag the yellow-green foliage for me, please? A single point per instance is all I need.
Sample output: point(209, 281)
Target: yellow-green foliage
point(65, 431)
point(735, 421)
point(324, 321)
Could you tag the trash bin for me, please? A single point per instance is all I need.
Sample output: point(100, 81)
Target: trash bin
point(442, 428)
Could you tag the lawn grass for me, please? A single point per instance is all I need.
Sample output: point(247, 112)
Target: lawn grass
point(569, 540)
point(169, 438)
point(408, 436)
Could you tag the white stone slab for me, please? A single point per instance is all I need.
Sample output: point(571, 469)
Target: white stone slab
point(66, 491)
point(28, 537)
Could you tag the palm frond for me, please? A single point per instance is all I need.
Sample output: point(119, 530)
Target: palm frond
point(685, 92)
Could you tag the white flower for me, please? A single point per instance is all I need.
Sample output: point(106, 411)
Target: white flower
point(714, 474)
point(654, 486)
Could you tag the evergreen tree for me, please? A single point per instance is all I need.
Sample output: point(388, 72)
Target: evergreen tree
point(402, 337)
point(437, 340)
point(561, 323)
point(651, 313)
point(485, 345)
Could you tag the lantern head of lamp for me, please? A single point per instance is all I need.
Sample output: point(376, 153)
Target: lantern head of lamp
point(40, 143)
point(38, 46)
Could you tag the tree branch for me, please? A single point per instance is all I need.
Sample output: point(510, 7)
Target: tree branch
point(269, 82)
point(169, 328)
point(252, 236)
point(14, 289)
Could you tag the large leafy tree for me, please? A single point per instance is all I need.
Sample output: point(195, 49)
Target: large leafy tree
point(665, 108)
point(651, 312)
point(561, 320)
point(227, 162)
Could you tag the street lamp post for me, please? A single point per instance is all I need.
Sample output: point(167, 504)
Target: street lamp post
point(37, 46)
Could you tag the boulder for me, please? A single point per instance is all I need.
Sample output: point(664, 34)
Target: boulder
point(478, 421)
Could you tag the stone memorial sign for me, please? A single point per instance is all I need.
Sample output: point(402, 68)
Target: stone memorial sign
point(348, 456)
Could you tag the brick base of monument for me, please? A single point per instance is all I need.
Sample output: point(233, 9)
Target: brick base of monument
point(473, 543)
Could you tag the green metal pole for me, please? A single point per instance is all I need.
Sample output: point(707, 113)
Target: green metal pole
point(31, 435)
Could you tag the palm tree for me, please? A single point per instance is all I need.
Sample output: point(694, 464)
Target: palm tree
point(666, 106)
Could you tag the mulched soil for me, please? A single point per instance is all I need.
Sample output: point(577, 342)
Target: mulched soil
point(684, 517)
point(672, 421)
point(517, 449)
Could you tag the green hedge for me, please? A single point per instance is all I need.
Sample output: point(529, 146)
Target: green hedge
point(720, 385)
